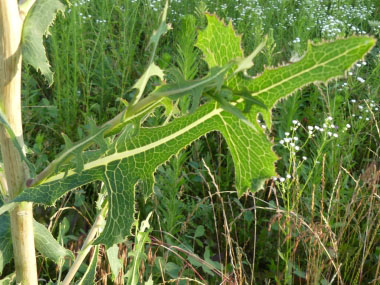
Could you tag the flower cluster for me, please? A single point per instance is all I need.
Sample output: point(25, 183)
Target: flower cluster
point(294, 145)
point(83, 15)
point(363, 111)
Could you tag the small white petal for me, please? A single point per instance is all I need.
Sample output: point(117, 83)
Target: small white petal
point(361, 80)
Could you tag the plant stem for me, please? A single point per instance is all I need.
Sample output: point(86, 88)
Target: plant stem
point(87, 245)
point(16, 171)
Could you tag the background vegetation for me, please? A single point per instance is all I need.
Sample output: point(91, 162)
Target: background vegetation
point(318, 222)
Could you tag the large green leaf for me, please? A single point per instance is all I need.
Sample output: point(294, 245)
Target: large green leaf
point(133, 159)
point(40, 17)
point(321, 63)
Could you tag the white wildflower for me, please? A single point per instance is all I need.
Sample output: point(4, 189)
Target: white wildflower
point(361, 80)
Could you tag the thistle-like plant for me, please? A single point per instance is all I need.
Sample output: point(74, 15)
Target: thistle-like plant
point(127, 153)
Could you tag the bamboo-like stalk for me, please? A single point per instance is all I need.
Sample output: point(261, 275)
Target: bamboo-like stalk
point(15, 170)
point(87, 245)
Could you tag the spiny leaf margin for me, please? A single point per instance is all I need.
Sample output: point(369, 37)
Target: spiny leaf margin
point(36, 25)
point(132, 160)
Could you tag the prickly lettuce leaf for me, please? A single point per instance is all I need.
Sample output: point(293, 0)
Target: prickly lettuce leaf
point(321, 63)
point(131, 160)
point(36, 25)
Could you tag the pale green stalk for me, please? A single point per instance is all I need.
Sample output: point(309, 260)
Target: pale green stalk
point(16, 171)
point(87, 245)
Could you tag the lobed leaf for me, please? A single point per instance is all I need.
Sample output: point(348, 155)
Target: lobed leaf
point(153, 69)
point(131, 160)
point(36, 25)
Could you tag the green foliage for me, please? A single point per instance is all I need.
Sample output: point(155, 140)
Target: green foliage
point(6, 249)
point(114, 261)
point(8, 280)
point(89, 275)
point(153, 69)
point(36, 25)
point(138, 254)
point(133, 158)
point(48, 246)
point(45, 243)
point(5, 124)
point(102, 60)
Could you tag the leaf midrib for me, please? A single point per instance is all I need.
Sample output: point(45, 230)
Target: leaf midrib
point(301, 72)
point(121, 155)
